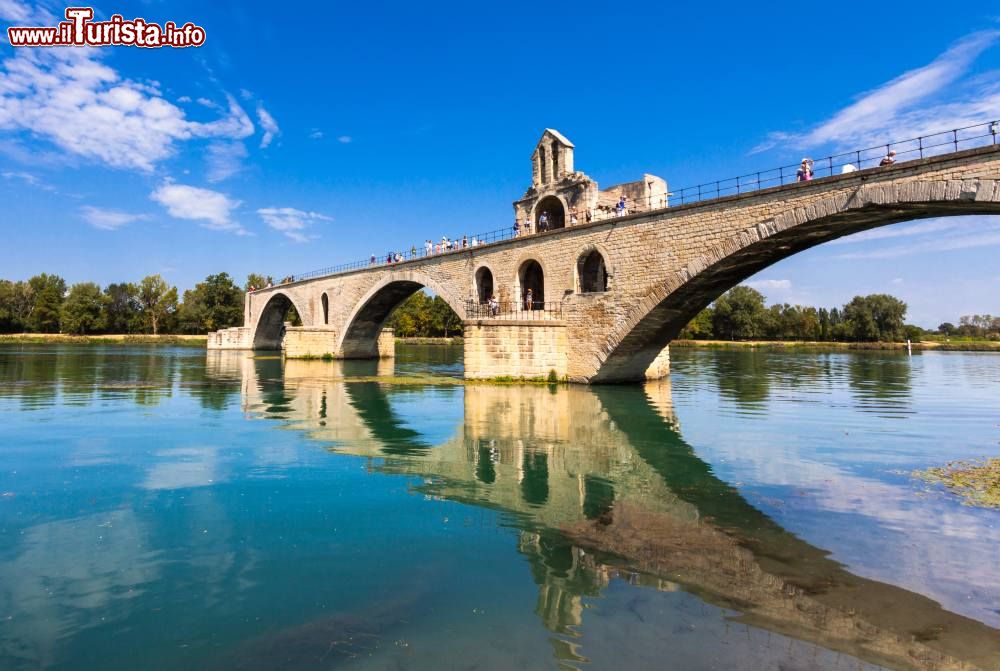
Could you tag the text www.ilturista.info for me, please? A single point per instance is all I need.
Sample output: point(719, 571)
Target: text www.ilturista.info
point(79, 30)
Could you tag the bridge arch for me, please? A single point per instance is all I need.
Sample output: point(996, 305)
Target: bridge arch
point(530, 273)
point(484, 283)
point(325, 300)
point(668, 307)
point(269, 329)
point(360, 335)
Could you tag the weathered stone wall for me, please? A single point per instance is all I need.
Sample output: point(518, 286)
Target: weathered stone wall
point(652, 258)
point(303, 342)
point(514, 348)
point(237, 337)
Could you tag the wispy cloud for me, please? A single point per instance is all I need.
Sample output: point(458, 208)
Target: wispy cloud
point(108, 220)
point(344, 139)
point(52, 94)
point(213, 208)
point(903, 230)
point(225, 159)
point(269, 125)
point(290, 221)
point(28, 179)
point(770, 284)
point(316, 134)
point(918, 102)
point(935, 236)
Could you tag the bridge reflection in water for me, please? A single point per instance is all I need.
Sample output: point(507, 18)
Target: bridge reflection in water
point(601, 485)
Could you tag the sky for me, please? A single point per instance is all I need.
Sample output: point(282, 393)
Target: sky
point(304, 136)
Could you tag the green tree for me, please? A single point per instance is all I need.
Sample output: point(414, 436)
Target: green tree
point(739, 313)
point(214, 304)
point(259, 281)
point(83, 309)
point(122, 308)
point(876, 317)
point(946, 328)
point(158, 301)
point(699, 328)
point(48, 292)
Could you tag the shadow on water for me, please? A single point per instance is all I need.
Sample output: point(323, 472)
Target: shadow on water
point(600, 484)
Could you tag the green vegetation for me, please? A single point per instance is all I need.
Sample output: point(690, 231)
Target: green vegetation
point(44, 305)
point(976, 482)
point(740, 314)
point(421, 315)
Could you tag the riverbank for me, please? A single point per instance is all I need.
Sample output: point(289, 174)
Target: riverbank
point(104, 339)
point(417, 340)
point(800, 345)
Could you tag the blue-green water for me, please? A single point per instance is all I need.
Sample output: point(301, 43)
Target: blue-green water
point(171, 509)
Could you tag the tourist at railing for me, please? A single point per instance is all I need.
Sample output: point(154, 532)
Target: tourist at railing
point(805, 171)
point(888, 159)
point(543, 222)
point(528, 301)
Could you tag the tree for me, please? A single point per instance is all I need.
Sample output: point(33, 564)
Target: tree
point(48, 292)
point(216, 303)
point(739, 313)
point(876, 317)
point(122, 308)
point(259, 281)
point(699, 328)
point(946, 328)
point(158, 301)
point(83, 309)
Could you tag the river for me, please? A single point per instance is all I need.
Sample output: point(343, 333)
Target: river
point(168, 508)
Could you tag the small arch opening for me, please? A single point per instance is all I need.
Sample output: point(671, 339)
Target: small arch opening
point(549, 214)
point(484, 284)
point(326, 309)
point(531, 279)
point(592, 273)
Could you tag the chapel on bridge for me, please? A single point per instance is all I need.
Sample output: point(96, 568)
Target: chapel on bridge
point(567, 197)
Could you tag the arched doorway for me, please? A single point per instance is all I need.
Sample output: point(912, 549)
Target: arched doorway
point(592, 273)
point(555, 214)
point(326, 309)
point(531, 278)
point(484, 284)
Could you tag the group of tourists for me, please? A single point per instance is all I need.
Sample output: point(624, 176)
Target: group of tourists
point(805, 172)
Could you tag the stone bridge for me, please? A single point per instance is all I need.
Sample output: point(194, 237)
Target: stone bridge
point(609, 294)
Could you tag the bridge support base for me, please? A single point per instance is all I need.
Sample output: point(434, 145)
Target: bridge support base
point(516, 349)
point(311, 342)
point(237, 337)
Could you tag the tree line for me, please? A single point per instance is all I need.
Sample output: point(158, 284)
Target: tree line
point(44, 304)
point(423, 316)
point(741, 314)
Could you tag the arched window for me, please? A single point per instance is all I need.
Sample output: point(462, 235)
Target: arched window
point(592, 273)
point(484, 284)
point(326, 309)
point(532, 279)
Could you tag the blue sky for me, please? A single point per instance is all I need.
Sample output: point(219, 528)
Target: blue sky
point(301, 137)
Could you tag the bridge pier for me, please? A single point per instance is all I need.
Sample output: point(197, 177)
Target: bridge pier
point(515, 348)
point(303, 342)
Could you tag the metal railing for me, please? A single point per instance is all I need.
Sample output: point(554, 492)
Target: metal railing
point(933, 144)
point(514, 310)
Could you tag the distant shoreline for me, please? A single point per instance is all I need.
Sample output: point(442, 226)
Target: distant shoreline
point(103, 339)
point(923, 345)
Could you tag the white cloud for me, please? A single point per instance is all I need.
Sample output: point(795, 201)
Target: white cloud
point(269, 125)
point(28, 179)
point(108, 220)
point(344, 139)
point(184, 99)
point(15, 12)
point(189, 202)
point(85, 108)
point(963, 233)
point(290, 221)
point(907, 107)
point(770, 284)
point(316, 134)
point(902, 230)
point(225, 159)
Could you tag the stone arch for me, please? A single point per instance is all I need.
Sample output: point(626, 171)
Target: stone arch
point(556, 208)
point(530, 277)
point(592, 273)
point(668, 306)
point(484, 283)
point(269, 330)
point(360, 335)
point(325, 300)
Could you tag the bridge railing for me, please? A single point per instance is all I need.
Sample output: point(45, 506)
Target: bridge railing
point(513, 310)
point(933, 144)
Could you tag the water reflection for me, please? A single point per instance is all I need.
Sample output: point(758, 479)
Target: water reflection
point(601, 484)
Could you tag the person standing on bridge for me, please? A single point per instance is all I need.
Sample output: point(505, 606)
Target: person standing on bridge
point(622, 208)
point(805, 171)
point(517, 228)
point(528, 300)
point(543, 222)
point(888, 159)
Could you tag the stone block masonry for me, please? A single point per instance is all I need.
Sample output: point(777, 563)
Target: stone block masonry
point(660, 268)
